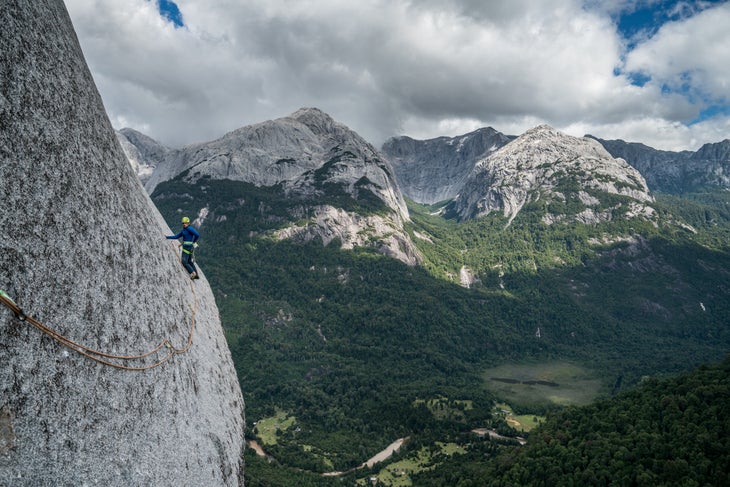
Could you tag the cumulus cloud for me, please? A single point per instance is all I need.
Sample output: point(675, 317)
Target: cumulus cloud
point(689, 56)
point(424, 69)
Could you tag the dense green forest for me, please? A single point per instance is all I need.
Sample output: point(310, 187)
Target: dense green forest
point(665, 432)
point(348, 344)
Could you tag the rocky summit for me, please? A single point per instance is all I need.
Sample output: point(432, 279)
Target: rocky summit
point(545, 164)
point(82, 402)
point(295, 150)
point(310, 158)
point(434, 170)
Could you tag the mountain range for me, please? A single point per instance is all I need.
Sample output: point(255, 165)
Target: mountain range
point(308, 156)
point(676, 172)
point(439, 166)
point(288, 152)
point(519, 249)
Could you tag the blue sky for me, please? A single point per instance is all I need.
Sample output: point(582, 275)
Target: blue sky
point(187, 71)
point(643, 20)
point(171, 12)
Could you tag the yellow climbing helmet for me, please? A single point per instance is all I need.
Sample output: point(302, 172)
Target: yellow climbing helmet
point(186, 219)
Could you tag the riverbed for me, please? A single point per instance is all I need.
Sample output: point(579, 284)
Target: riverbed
point(377, 458)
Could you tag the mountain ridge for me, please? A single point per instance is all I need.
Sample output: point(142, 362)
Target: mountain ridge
point(278, 151)
point(143, 152)
point(676, 172)
point(419, 164)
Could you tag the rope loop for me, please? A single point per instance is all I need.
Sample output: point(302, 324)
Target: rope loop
point(103, 357)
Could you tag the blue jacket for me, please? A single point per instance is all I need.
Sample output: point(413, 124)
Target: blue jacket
point(189, 236)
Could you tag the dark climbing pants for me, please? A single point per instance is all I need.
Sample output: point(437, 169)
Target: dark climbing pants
point(188, 262)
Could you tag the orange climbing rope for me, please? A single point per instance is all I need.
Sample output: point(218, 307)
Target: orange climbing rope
point(103, 357)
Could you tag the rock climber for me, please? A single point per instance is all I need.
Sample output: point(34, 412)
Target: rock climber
point(190, 238)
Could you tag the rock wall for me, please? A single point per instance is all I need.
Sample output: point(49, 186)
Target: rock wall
point(434, 170)
point(536, 164)
point(287, 150)
point(676, 172)
point(83, 251)
point(143, 152)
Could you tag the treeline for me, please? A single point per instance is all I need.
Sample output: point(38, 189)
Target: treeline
point(707, 211)
point(261, 472)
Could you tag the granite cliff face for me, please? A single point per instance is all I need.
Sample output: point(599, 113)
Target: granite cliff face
point(84, 254)
point(676, 172)
point(302, 151)
point(143, 152)
point(309, 157)
point(434, 170)
point(545, 164)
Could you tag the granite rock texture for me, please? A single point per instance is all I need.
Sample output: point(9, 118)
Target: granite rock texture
point(435, 170)
point(541, 163)
point(83, 252)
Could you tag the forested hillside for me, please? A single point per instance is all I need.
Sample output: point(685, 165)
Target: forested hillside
point(666, 432)
point(351, 350)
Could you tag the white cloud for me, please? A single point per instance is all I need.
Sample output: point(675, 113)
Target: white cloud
point(388, 67)
point(692, 52)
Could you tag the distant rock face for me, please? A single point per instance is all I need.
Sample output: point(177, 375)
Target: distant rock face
point(676, 172)
point(354, 230)
point(347, 161)
point(143, 152)
point(544, 163)
point(434, 170)
point(287, 150)
point(306, 154)
point(83, 251)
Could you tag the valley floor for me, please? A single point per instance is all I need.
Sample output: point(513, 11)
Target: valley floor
point(377, 458)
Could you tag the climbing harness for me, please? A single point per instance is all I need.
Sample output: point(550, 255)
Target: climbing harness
point(188, 247)
point(103, 357)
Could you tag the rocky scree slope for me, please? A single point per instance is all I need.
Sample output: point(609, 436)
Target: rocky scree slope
point(544, 163)
point(308, 156)
point(84, 253)
point(434, 170)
